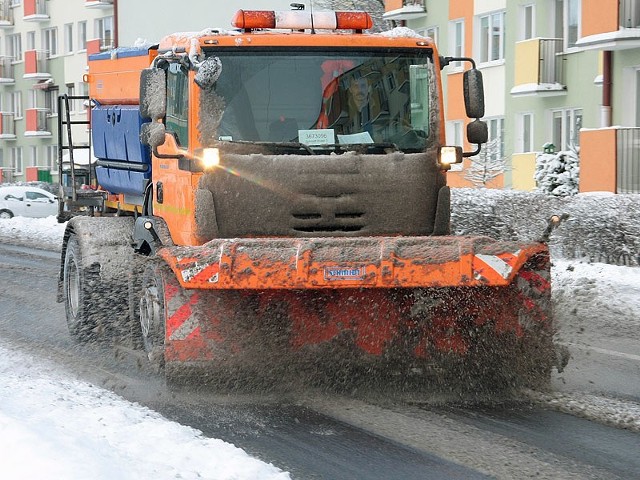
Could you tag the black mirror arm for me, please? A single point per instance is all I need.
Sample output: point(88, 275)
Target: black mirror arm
point(444, 61)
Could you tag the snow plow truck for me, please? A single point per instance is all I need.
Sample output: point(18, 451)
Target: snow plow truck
point(272, 198)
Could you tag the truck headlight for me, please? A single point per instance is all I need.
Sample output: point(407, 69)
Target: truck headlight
point(447, 156)
point(210, 158)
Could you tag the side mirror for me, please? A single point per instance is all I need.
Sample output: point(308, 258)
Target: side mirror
point(152, 134)
point(473, 93)
point(153, 93)
point(477, 132)
point(208, 73)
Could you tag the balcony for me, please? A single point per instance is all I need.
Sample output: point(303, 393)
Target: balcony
point(539, 67)
point(7, 126)
point(6, 71)
point(36, 65)
point(6, 14)
point(36, 11)
point(38, 122)
point(610, 160)
point(98, 3)
point(405, 9)
point(614, 25)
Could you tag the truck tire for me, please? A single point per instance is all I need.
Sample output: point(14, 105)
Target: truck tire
point(77, 291)
point(151, 312)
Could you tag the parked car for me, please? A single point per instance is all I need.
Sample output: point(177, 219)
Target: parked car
point(25, 201)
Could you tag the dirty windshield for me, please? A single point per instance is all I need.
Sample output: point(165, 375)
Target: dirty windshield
point(326, 98)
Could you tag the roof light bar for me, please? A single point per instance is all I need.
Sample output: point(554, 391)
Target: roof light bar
point(301, 20)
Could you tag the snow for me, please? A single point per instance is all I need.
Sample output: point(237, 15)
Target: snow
point(52, 426)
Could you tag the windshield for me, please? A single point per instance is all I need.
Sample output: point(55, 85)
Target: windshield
point(324, 98)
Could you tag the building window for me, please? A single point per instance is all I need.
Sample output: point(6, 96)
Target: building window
point(432, 32)
point(52, 157)
point(456, 40)
point(15, 3)
point(454, 135)
point(33, 162)
point(567, 21)
point(16, 160)
point(71, 92)
point(524, 136)
point(492, 37)
point(566, 125)
point(50, 41)
point(68, 38)
point(31, 40)
point(495, 144)
point(14, 47)
point(527, 22)
point(51, 101)
point(104, 31)
point(82, 35)
point(16, 104)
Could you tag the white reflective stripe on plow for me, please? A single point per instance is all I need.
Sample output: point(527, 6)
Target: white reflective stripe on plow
point(497, 264)
point(186, 329)
point(180, 305)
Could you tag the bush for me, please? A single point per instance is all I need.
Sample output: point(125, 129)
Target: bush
point(601, 227)
point(558, 173)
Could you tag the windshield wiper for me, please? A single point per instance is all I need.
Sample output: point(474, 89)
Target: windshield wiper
point(361, 148)
point(273, 145)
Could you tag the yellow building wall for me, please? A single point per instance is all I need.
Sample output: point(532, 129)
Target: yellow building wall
point(523, 167)
point(526, 62)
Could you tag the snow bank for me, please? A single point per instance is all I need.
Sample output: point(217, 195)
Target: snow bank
point(54, 427)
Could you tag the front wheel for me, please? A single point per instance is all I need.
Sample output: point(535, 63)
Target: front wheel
point(6, 214)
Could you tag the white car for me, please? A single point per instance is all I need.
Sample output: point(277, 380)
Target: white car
point(27, 201)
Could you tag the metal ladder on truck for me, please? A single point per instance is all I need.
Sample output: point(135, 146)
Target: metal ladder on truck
point(78, 193)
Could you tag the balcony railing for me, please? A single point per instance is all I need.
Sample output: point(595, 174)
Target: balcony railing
point(38, 122)
point(629, 13)
point(36, 10)
point(7, 125)
point(98, 3)
point(628, 160)
point(551, 61)
point(6, 70)
point(36, 64)
point(6, 14)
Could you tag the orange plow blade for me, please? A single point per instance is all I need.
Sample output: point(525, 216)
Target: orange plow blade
point(401, 304)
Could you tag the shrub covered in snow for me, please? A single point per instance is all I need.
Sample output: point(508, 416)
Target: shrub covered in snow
point(601, 227)
point(557, 173)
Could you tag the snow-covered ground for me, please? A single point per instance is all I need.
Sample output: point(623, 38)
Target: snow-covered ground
point(54, 427)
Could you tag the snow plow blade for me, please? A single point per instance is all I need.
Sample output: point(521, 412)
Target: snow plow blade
point(470, 307)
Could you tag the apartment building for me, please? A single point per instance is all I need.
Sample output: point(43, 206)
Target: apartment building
point(558, 73)
point(43, 51)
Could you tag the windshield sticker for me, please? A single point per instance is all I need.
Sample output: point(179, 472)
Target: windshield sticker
point(364, 137)
point(344, 273)
point(323, 136)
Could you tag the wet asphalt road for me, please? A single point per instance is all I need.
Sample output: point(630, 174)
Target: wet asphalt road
point(309, 443)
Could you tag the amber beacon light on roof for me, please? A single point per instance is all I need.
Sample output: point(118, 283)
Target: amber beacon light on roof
point(302, 20)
